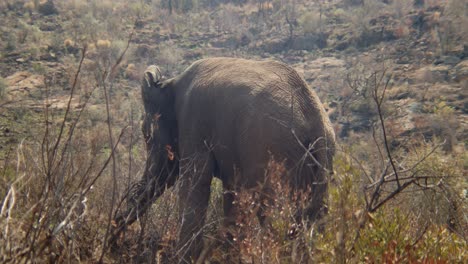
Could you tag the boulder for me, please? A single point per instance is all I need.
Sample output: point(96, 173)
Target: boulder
point(24, 86)
point(275, 45)
point(310, 42)
point(449, 60)
point(430, 74)
point(460, 71)
point(321, 69)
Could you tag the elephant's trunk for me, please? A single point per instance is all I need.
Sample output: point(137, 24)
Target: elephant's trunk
point(156, 178)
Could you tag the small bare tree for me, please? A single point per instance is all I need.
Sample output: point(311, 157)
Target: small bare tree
point(396, 174)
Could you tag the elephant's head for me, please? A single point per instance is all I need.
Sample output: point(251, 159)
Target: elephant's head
point(159, 130)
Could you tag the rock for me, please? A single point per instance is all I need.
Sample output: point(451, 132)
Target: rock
point(449, 60)
point(460, 71)
point(403, 60)
point(321, 69)
point(430, 74)
point(144, 51)
point(309, 42)
point(24, 80)
point(460, 51)
point(375, 35)
point(416, 107)
point(230, 41)
point(139, 24)
point(49, 27)
point(401, 96)
point(418, 3)
point(174, 36)
point(16, 78)
point(275, 45)
point(49, 56)
point(192, 55)
point(23, 84)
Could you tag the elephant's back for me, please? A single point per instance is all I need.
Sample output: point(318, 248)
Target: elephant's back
point(249, 110)
point(224, 72)
point(250, 93)
point(249, 83)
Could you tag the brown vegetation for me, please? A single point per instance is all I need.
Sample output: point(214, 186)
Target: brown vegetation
point(393, 73)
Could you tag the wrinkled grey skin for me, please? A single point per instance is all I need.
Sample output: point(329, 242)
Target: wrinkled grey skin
point(226, 118)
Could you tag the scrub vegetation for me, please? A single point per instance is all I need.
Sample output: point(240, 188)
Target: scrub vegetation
point(392, 74)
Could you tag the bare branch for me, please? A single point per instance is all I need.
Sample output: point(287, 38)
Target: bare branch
point(67, 111)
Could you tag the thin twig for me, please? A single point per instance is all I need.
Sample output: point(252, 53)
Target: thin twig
point(67, 111)
point(105, 79)
point(384, 131)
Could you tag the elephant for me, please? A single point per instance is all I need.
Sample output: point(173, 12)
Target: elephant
point(226, 118)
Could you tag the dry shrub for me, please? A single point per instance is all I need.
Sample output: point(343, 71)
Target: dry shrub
point(402, 31)
point(103, 44)
point(401, 7)
point(59, 196)
point(49, 217)
point(281, 237)
point(29, 6)
point(153, 237)
point(451, 25)
point(412, 228)
point(132, 73)
point(443, 201)
point(311, 21)
point(422, 224)
point(47, 7)
point(68, 43)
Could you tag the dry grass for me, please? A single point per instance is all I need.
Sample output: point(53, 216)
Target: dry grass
point(62, 183)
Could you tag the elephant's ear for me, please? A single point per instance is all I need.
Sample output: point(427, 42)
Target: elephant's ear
point(153, 75)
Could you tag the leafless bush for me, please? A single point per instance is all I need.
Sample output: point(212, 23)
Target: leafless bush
point(395, 174)
point(45, 214)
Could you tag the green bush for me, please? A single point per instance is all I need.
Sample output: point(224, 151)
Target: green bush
point(311, 22)
point(420, 225)
point(3, 87)
point(47, 8)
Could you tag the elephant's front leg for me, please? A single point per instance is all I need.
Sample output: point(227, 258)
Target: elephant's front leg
point(195, 183)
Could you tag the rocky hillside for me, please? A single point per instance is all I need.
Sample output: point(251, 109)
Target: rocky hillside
point(422, 47)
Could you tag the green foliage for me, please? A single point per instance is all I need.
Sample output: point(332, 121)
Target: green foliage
point(7, 175)
point(443, 203)
point(390, 237)
point(385, 231)
point(139, 9)
point(345, 212)
point(11, 42)
point(3, 87)
point(451, 30)
point(403, 231)
point(38, 68)
point(178, 5)
point(311, 22)
point(89, 27)
point(29, 33)
point(47, 8)
point(443, 110)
